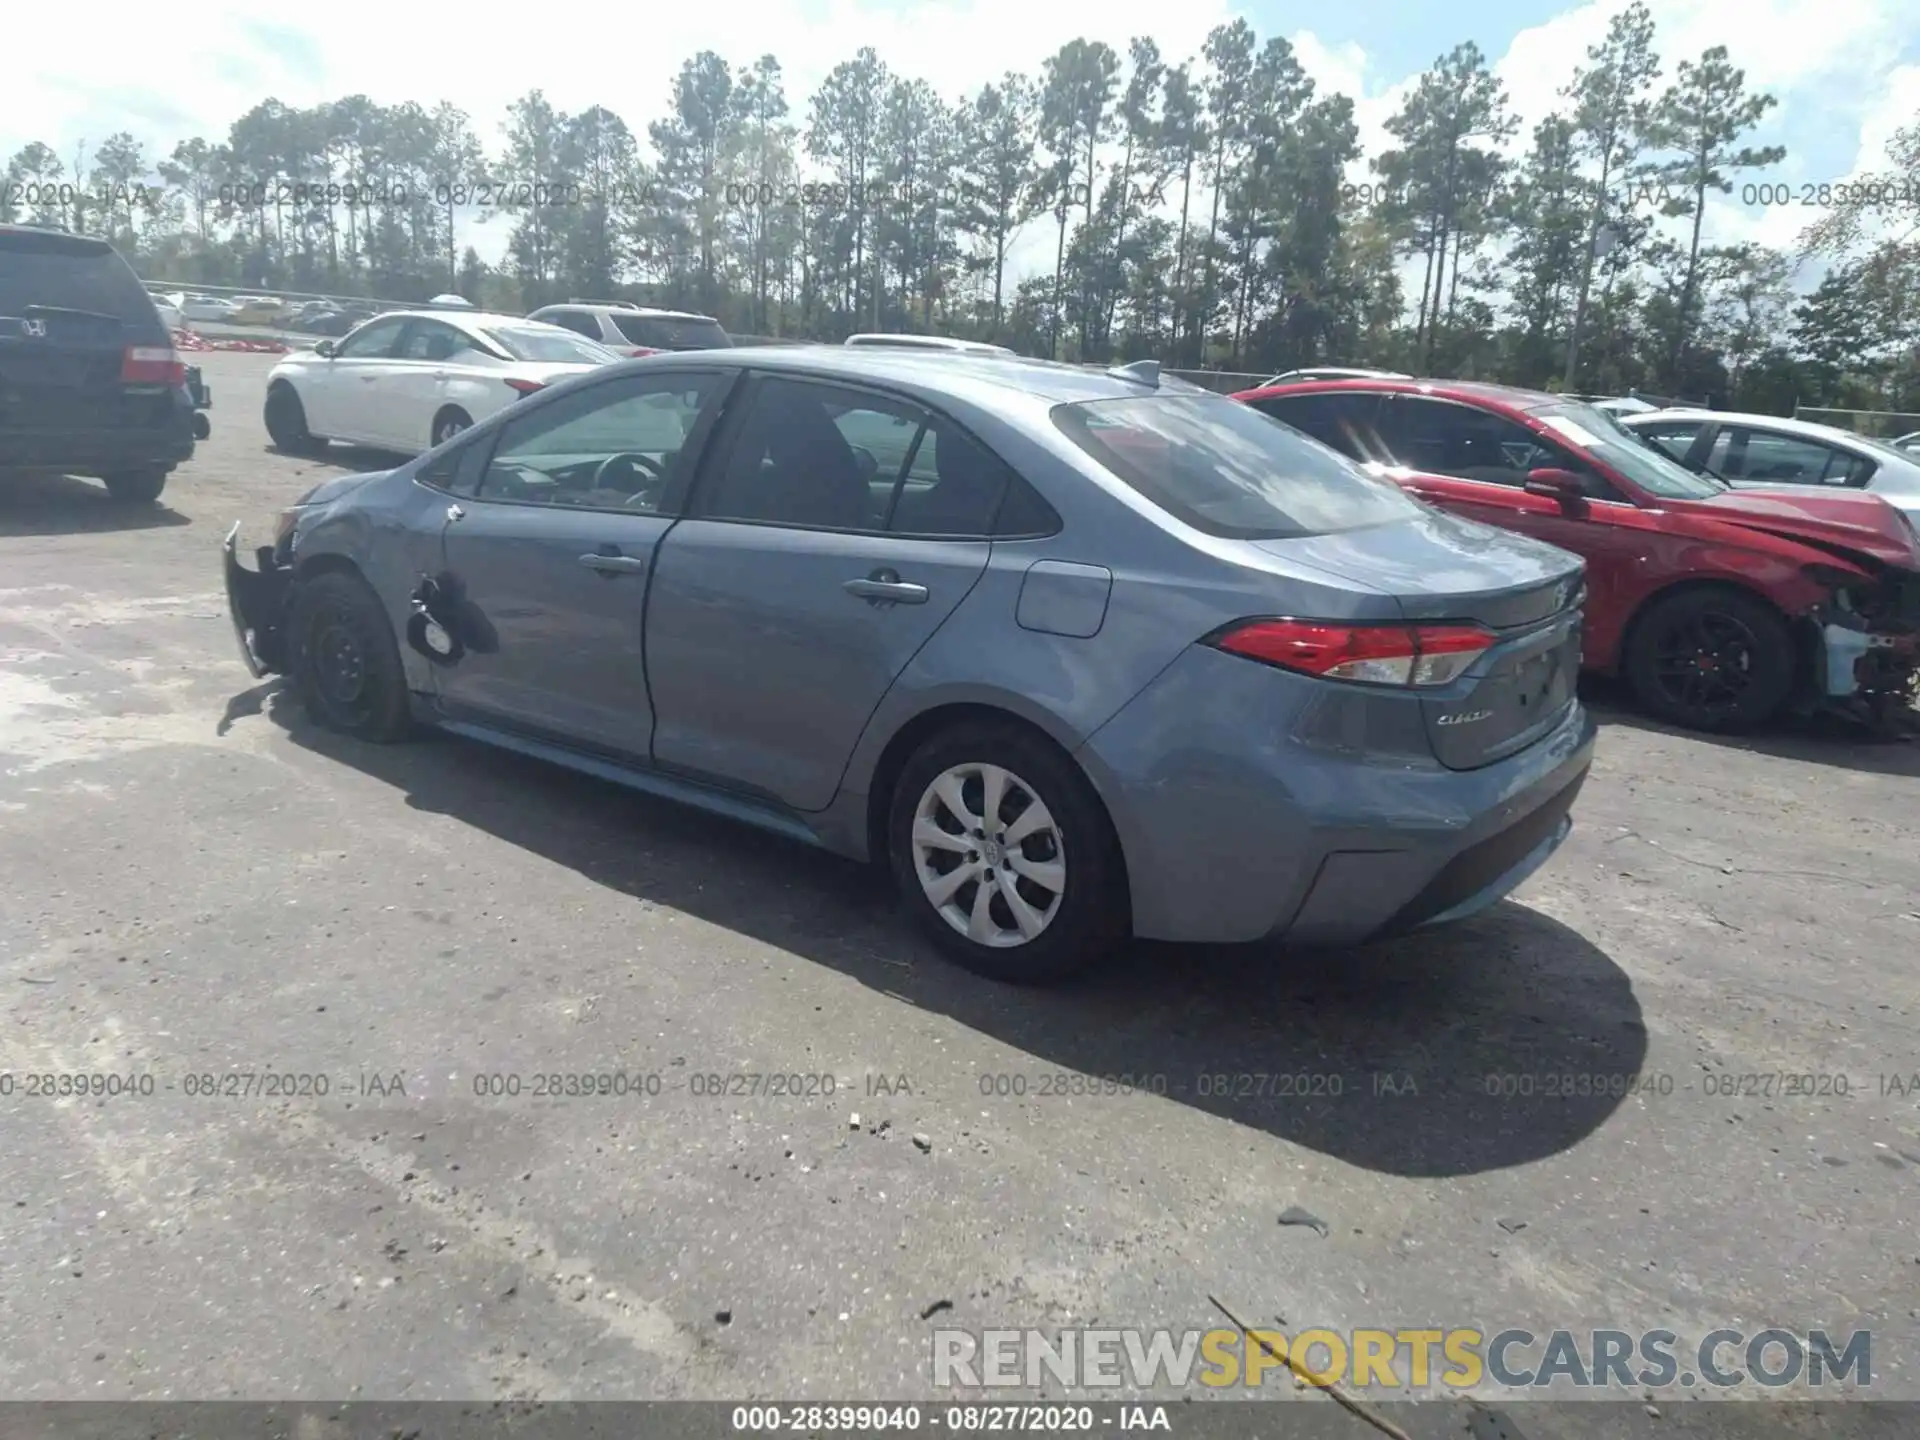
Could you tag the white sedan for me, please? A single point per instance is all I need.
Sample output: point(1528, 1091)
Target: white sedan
point(409, 379)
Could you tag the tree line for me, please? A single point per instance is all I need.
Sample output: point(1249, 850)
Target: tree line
point(1201, 211)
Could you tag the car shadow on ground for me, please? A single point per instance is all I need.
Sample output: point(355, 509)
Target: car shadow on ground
point(351, 459)
point(1814, 739)
point(1496, 1042)
point(68, 505)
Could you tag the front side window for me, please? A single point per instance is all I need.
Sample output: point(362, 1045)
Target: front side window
point(372, 341)
point(1226, 469)
point(430, 340)
point(611, 447)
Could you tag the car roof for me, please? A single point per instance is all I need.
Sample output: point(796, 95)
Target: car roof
point(459, 318)
point(985, 379)
point(880, 339)
point(1510, 396)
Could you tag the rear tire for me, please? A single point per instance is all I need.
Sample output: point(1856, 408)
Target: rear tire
point(1711, 659)
point(344, 660)
point(447, 424)
point(286, 421)
point(1029, 903)
point(136, 487)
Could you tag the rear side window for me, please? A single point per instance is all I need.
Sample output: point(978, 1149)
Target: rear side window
point(1228, 470)
point(1341, 419)
point(71, 272)
point(671, 333)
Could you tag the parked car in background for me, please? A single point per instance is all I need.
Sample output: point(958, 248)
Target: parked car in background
point(927, 342)
point(634, 331)
point(1910, 443)
point(90, 383)
point(1623, 405)
point(168, 308)
point(211, 309)
point(1719, 607)
point(1174, 670)
point(411, 379)
point(1765, 451)
point(255, 310)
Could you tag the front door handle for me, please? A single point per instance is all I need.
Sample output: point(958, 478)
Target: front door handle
point(886, 585)
point(614, 564)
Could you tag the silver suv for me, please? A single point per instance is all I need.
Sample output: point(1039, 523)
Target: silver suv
point(635, 331)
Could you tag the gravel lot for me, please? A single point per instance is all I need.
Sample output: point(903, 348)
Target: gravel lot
point(197, 882)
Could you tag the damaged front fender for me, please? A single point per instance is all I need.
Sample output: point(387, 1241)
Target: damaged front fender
point(257, 605)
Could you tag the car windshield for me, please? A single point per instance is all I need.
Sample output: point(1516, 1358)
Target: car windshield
point(1228, 470)
point(1603, 436)
point(672, 332)
point(548, 346)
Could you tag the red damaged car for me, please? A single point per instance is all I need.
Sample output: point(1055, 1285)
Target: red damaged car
point(1719, 607)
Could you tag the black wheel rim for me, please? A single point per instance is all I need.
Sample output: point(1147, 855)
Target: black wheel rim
point(448, 429)
point(341, 664)
point(1707, 664)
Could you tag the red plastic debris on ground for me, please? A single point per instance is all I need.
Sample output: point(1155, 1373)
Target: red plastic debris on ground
point(187, 340)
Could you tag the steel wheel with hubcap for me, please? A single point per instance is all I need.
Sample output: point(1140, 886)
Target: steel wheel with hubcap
point(989, 855)
point(1005, 855)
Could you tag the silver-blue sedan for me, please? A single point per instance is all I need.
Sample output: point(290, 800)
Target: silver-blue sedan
point(1076, 653)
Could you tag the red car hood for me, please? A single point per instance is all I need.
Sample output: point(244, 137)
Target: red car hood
point(1851, 521)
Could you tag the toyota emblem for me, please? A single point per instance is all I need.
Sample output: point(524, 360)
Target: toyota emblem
point(35, 329)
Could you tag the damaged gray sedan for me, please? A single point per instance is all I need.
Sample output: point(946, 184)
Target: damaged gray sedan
point(1076, 654)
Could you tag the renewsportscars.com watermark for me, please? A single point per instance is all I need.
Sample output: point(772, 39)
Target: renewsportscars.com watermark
point(1416, 1357)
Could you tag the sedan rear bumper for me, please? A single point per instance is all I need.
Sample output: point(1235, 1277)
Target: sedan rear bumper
point(1240, 822)
point(256, 605)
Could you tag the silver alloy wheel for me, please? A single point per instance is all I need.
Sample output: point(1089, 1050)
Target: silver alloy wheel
point(447, 429)
point(989, 855)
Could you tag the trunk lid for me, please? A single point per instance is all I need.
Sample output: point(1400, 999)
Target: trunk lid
point(1850, 520)
point(1527, 594)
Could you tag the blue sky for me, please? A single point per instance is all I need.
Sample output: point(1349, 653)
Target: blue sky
point(1846, 72)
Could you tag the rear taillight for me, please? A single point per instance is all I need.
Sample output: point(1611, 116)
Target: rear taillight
point(152, 365)
point(1403, 655)
point(525, 387)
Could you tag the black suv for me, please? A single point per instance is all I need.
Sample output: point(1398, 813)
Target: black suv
point(90, 383)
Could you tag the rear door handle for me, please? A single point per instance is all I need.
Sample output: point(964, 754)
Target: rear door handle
point(614, 564)
point(887, 585)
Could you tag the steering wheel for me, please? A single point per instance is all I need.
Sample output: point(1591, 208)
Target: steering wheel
point(633, 461)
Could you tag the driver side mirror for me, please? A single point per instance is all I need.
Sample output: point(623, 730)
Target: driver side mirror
point(324, 349)
point(1556, 484)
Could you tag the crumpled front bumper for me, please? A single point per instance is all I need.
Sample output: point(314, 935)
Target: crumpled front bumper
point(257, 605)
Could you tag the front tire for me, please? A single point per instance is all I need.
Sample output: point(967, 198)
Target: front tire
point(136, 487)
point(345, 663)
point(1711, 659)
point(1006, 859)
point(286, 421)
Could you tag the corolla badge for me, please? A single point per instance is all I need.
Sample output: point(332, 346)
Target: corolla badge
point(1466, 717)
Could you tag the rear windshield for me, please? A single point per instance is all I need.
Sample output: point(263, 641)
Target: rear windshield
point(1227, 470)
point(71, 273)
point(668, 333)
point(555, 346)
